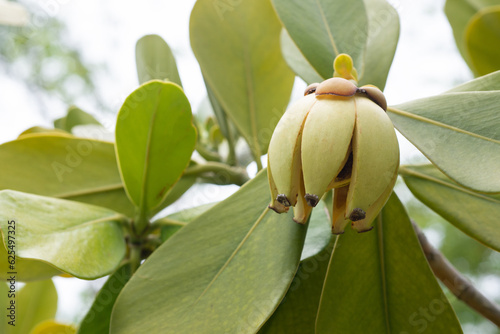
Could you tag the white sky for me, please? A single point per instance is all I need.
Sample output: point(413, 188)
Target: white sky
point(426, 63)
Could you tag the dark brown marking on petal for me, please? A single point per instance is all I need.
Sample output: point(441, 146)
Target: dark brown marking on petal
point(311, 199)
point(357, 214)
point(283, 200)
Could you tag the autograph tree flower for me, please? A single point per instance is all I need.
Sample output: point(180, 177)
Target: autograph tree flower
point(338, 136)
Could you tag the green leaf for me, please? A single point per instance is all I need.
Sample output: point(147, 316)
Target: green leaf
point(74, 117)
point(297, 312)
point(83, 240)
point(458, 132)
point(174, 222)
point(40, 129)
point(459, 13)
point(155, 138)
point(34, 303)
point(98, 317)
point(482, 38)
point(323, 29)
point(383, 36)
point(296, 60)
point(225, 272)
point(155, 60)
point(383, 298)
point(318, 232)
point(63, 166)
point(237, 47)
point(469, 211)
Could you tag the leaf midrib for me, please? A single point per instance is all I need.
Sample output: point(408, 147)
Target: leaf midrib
point(380, 239)
point(231, 257)
point(96, 190)
point(439, 124)
point(408, 172)
point(325, 23)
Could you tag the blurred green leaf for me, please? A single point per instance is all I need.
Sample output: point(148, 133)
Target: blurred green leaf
point(469, 211)
point(155, 138)
point(225, 272)
point(82, 240)
point(53, 327)
point(155, 60)
point(482, 38)
point(40, 129)
point(459, 13)
point(383, 298)
point(98, 317)
point(34, 303)
point(383, 36)
point(237, 47)
point(458, 132)
point(297, 312)
point(323, 29)
point(74, 117)
point(63, 166)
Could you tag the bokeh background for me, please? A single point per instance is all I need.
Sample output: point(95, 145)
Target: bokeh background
point(76, 52)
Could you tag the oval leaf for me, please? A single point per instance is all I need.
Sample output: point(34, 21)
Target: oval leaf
point(35, 302)
point(74, 117)
point(383, 36)
point(98, 317)
point(237, 47)
point(155, 60)
point(469, 211)
point(83, 240)
point(297, 312)
point(155, 138)
point(323, 29)
point(482, 38)
point(63, 166)
point(225, 272)
point(383, 298)
point(458, 132)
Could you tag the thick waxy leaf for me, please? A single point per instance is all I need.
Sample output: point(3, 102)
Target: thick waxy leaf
point(318, 232)
point(297, 312)
point(98, 317)
point(155, 60)
point(473, 213)
point(75, 117)
point(296, 60)
point(323, 29)
point(482, 39)
point(63, 166)
point(225, 272)
point(458, 132)
point(366, 291)
point(83, 240)
point(174, 222)
point(33, 303)
point(383, 36)
point(155, 138)
point(459, 13)
point(238, 49)
point(40, 129)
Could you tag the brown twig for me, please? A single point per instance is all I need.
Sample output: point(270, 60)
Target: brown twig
point(459, 285)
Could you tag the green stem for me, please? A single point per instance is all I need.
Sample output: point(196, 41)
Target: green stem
point(207, 154)
point(135, 255)
point(231, 157)
point(259, 164)
point(220, 172)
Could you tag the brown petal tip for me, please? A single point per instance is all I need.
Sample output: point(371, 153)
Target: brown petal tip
point(298, 221)
point(281, 198)
point(276, 209)
point(366, 230)
point(357, 214)
point(374, 94)
point(312, 200)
